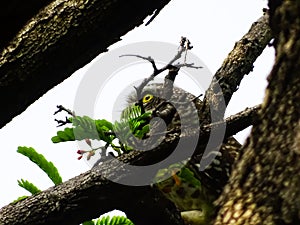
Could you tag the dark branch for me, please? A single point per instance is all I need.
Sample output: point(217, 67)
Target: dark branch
point(67, 120)
point(152, 17)
point(61, 108)
point(237, 122)
point(62, 122)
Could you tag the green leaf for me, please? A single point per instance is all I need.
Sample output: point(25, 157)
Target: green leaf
point(28, 186)
point(89, 222)
point(85, 127)
point(188, 175)
point(40, 161)
point(132, 122)
point(66, 135)
point(20, 198)
point(104, 123)
point(115, 220)
point(56, 139)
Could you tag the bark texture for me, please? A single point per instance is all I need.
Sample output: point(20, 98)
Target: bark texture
point(88, 196)
point(264, 187)
point(61, 38)
point(13, 16)
point(237, 64)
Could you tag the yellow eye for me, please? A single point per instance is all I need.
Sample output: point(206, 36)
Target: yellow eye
point(147, 98)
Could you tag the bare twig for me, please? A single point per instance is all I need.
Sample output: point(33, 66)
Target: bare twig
point(67, 120)
point(62, 108)
point(153, 17)
point(185, 45)
point(62, 122)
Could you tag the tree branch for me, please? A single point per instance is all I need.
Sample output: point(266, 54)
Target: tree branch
point(14, 14)
point(91, 194)
point(61, 38)
point(238, 63)
point(237, 122)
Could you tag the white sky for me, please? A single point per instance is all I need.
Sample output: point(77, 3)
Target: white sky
point(212, 26)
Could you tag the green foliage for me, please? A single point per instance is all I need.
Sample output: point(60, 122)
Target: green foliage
point(40, 161)
point(188, 175)
point(66, 135)
point(20, 198)
point(28, 186)
point(106, 220)
point(83, 127)
point(90, 222)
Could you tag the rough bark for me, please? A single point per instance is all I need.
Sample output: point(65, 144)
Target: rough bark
point(88, 196)
point(264, 186)
point(61, 38)
point(13, 16)
point(237, 64)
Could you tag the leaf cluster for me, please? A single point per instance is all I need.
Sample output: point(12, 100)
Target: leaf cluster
point(106, 220)
point(132, 123)
point(45, 165)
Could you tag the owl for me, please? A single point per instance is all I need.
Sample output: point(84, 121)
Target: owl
point(192, 190)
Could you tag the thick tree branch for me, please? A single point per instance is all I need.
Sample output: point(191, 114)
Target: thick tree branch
point(60, 39)
point(13, 16)
point(238, 63)
point(90, 194)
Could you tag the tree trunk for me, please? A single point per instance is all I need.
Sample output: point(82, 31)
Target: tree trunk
point(264, 186)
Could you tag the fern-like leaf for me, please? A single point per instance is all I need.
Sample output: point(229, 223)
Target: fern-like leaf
point(115, 220)
point(106, 220)
point(89, 222)
point(40, 161)
point(28, 186)
point(132, 122)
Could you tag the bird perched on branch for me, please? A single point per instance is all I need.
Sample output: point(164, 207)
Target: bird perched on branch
point(192, 187)
point(192, 190)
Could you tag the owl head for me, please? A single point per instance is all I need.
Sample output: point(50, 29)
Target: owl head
point(171, 109)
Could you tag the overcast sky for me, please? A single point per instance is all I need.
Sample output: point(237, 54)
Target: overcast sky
point(212, 26)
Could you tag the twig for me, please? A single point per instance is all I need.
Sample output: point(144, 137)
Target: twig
point(62, 108)
point(67, 120)
point(62, 122)
point(157, 11)
point(185, 45)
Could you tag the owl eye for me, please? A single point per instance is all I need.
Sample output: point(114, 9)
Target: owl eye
point(147, 98)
